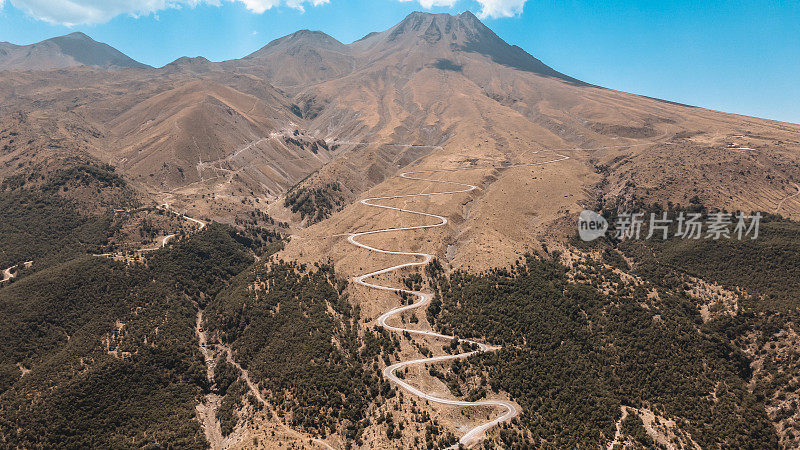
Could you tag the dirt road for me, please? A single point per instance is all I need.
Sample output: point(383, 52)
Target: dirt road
point(510, 409)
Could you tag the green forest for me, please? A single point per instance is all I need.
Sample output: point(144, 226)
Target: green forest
point(283, 331)
point(572, 356)
point(767, 267)
point(97, 353)
point(111, 351)
point(315, 204)
point(46, 228)
point(52, 215)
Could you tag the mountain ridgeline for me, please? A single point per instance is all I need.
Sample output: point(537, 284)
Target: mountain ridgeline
point(75, 49)
point(168, 238)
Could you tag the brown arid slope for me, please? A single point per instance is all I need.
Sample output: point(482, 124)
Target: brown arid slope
point(300, 59)
point(195, 129)
point(449, 81)
point(213, 143)
point(460, 108)
point(306, 127)
point(446, 85)
point(36, 157)
point(72, 50)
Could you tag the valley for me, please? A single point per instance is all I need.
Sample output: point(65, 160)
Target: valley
point(374, 245)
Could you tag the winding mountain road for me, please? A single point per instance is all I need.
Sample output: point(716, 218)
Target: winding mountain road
point(10, 273)
point(511, 410)
point(164, 241)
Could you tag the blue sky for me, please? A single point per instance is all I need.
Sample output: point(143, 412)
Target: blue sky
point(740, 56)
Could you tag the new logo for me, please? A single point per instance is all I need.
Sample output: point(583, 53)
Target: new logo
point(591, 225)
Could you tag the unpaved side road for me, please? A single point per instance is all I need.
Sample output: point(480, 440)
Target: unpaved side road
point(207, 409)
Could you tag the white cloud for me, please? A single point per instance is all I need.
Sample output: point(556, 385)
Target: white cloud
point(298, 4)
point(428, 4)
point(489, 8)
point(500, 8)
point(74, 12)
point(259, 6)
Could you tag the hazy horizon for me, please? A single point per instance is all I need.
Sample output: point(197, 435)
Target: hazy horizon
point(738, 57)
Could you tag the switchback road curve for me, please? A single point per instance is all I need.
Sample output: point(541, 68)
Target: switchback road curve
point(421, 259)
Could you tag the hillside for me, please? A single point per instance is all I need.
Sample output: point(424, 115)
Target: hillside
point(99, 345)
point(408, 203)
point(75, 49)
point(297, 60)
point(205, 143)
point(472, 110)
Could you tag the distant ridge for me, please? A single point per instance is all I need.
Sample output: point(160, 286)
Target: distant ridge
point(72, 50)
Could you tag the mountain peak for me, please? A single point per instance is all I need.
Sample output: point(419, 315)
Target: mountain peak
point(441, 36)
point(75, 35)
point(442, 27)
point(197, 64)
point(297, 40)
point(74, 49)
point(309, 34)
